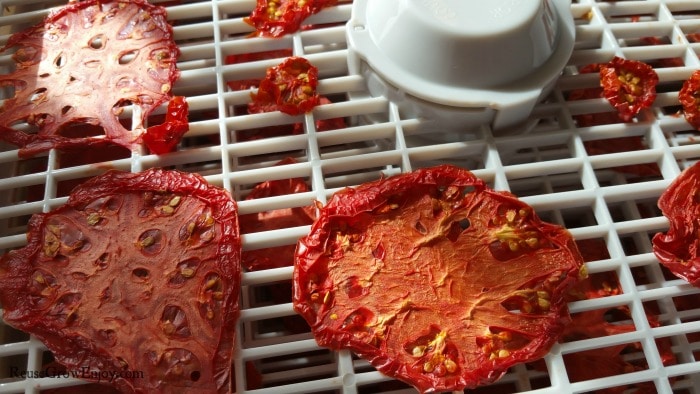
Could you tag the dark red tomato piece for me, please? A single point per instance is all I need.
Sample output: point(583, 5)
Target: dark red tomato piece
point(280, 256)
point(82, 65)
point(689, 96)
point(136, 272)
point(434, 278)
point(679, 248)
point(163, 138)
point(289, 87)
point(628, 85)
point(276, 18)
point(592, 119)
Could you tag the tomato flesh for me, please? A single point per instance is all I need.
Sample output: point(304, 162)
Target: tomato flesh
point(276, 18)
point(679, 248)
point(163, 138)
point(689, 96)
point(136, 272)
point(82, 65)
point(289, 87)
point(434, 278)
point(629, 86)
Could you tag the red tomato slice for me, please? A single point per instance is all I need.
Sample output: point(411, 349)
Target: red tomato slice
point(689, 96)
point(136, 272)
point(83, 64)
point(679, 248)
point(276, 18)
point(629, 86)
point(289, 87)
point(434, 278)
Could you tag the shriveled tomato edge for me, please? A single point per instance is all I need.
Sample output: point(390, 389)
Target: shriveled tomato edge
point(224, 211)
point(677, 206)
point(33, 144)
point(352, 201)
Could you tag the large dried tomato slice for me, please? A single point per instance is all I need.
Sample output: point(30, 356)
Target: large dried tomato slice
point(689, 97)
point(83, 64)
point(137, 275)
point(628, 85)
point(434, 278)
point(679, 248)
point(275, 18)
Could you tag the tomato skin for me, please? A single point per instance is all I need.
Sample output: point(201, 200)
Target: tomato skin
point(689, 99)
point(679, 248)
point(289, 87)
point(421, 281)
point(101, 280)
point(276, 18)
point(629, 86)
point(84, 77)
point(163, 138)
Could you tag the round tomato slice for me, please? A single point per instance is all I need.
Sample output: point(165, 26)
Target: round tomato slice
point(628, 85)
point(434, 278)
point(679, 248)
point(82, 65)
point(136, 277)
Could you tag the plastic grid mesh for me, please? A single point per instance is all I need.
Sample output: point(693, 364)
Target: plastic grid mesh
point(549, 165)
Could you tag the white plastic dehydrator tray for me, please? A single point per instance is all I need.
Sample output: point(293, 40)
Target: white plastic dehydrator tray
point(546, 163)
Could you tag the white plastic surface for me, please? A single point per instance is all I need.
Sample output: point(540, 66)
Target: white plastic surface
point(435, 57)
point(548, 165)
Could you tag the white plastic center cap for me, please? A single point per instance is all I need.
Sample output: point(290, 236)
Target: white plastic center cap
point(464, 53)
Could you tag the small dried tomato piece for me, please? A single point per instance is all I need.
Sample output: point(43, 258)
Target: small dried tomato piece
point(679, 248)
point(163, 138)
point(280, 256)
point(276, 18)
point(689, 96)
point(136, 272)
point(82, 65)
point(434, 278)
point(289, 87)
point(628, 85)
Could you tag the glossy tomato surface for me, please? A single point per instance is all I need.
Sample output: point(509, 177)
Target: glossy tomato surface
point(689, 97)
point(138, 274)
point(434, 278)
point(679, 248)
point(289, 87)
point(84, 64)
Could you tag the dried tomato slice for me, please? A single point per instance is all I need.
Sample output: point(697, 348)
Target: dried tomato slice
point(679, 248)
point(628, 85)
point(83, 64)
point(137, 272)
point(441, 289)
point(280, 256)
point(276, 18)
point(289, 87)
point(689, 96)
point(163, 138)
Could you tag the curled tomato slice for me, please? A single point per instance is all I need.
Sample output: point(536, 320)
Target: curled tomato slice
point(289, 87)
point(434, 278)
point(689, 96)
point(84, 64)
point(136, 276)
point(276, 18)
point(163, 138)
point(628, 85)
point(679, 248)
